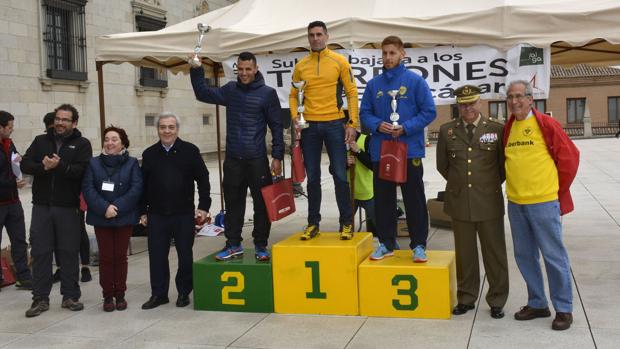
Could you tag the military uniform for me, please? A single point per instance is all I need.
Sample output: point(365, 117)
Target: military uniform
point(474, 170)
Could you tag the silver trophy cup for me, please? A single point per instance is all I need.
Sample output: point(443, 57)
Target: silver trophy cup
point(202, 30)
point(299, 85)
point(394, 116)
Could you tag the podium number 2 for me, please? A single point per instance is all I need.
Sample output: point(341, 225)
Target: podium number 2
point(412, 282)
point(316, 281)
point(237, 285)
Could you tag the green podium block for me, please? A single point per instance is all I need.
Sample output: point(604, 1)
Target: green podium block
point(241, 284)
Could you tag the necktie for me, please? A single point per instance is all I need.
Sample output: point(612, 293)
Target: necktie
point(470, 131)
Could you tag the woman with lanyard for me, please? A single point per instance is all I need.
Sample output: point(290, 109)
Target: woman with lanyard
point(112, 188)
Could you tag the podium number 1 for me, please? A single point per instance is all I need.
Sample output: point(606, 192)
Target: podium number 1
point(409, 292)
point(236, 286)
point(316, 281)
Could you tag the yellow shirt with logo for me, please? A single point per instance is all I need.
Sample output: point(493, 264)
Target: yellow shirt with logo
point(531, 174)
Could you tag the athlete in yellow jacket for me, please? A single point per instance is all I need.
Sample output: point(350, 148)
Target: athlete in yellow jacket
point(325, 74)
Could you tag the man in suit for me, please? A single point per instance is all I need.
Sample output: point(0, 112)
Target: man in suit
point(169, 169)
point(471, 158)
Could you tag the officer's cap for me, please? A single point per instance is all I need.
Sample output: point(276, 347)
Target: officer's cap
point(467, 94)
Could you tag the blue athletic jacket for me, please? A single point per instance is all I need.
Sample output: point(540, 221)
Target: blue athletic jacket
point(415, 106)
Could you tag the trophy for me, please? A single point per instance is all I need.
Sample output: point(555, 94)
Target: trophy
point(394, 116)
point(299, 85)
point(202, 30)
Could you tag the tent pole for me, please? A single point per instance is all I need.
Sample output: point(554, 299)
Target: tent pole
point(99, 65)
point(216, 73)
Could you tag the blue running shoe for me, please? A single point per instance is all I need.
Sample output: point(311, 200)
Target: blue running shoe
point(262, 254)
point(229, 252)
point(380, 253)
point(419, 255)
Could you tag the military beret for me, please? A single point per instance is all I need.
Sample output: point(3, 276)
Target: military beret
point(467, 94)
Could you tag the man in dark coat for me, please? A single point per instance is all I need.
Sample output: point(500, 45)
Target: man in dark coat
point(57, 160)
point(470, 157)
point(251, 106)
point(169, 169)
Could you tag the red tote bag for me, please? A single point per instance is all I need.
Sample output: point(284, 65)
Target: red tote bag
point(393, 161)
point(7, 273)
point(299, 170)
point(279, 199)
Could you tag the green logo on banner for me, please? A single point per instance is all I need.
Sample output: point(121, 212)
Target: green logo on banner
point(531, 56)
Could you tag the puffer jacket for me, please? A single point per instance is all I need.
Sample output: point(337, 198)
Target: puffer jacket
point(250, 108)
point(122, 170)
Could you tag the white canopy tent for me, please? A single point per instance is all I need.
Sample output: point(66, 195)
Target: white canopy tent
point(578, 31)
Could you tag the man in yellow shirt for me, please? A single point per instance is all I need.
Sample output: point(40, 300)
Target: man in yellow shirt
point(325, 74)
point(541, 163)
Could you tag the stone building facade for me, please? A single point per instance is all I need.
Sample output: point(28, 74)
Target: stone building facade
point(42, 67)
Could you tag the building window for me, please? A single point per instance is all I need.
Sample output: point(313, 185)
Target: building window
point(206, 119)
point(149, 120)
point(540, 105)
point(64, 36)
point(613, 109)
point(497, 110)
point(575, 108)
point(151, 77)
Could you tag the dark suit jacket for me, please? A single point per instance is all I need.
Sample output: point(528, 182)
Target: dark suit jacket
point(474, 170)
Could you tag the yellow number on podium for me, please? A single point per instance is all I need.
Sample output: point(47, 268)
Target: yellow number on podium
point(237, 285)
point(409, 292)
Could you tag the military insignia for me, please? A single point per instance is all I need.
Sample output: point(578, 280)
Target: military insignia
point(527, 132)
point(488, 138)
point(379, 94)
point(416, 162)
point(450, 132)
point(402, 90)
point(466, 91)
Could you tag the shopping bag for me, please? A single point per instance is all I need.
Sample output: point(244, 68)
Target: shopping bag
point(279, 200)
point(7, 274)
point(299, 170)
point(393, 161)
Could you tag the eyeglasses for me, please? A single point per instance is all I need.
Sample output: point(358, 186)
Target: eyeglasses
point(517, 97)
point(66, 121)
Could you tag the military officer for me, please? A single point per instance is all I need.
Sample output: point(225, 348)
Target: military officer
point(471, 158)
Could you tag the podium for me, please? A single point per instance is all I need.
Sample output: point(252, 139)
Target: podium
point(398, 287)
point(318, 276)
point(240, 284)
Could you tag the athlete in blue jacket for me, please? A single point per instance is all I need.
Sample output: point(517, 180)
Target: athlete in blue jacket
point(417, 110)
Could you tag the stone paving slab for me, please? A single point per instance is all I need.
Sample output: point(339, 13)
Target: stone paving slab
point(592, 236)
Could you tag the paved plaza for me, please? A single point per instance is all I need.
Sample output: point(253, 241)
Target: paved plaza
point(591, 233)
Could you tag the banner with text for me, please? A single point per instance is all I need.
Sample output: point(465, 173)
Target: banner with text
point(444, 68)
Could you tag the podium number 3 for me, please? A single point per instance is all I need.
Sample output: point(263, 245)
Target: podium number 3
point(316, 281)
point(397, 280)
point(236, 285)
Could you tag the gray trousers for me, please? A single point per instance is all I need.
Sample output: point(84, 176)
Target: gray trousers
point(57, 229)
point(12, 217)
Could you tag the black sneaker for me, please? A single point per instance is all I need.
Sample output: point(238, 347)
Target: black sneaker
point(38, 306)
point(24, 285)
point(86, 277)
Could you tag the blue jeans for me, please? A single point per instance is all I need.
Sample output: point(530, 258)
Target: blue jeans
point(537, 227)
point(312, 138)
